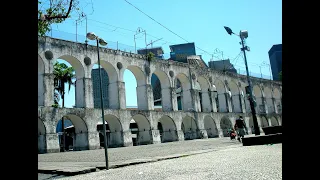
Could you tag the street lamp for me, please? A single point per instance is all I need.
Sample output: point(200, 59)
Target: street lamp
point(100, 41)
point(243, 35)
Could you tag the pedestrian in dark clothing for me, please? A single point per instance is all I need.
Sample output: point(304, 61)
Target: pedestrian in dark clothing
point(240, 127)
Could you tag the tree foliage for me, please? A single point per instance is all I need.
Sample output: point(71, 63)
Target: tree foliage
point(63, 75)
point(150, 56)
point(54, 12)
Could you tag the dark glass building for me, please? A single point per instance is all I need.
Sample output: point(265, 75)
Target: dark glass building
point(275, 56)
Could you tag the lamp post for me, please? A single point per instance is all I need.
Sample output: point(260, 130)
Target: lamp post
point(92, 36)
point(243, 35)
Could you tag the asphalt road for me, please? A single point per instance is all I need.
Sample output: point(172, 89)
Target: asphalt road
point(243, 162)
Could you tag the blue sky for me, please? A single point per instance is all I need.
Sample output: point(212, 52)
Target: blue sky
point(196, 21)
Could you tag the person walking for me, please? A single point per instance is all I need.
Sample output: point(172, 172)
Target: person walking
point(240, 127)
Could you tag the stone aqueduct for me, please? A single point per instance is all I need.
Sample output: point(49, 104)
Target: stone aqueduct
point(210, 119)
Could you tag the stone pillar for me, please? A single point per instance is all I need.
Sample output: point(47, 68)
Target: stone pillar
point(84, 93)
point(93, 140)
point(52, 143)
point(202, 133)
point(213, 100)
point(180, 135)
point(242, 103)
point(190, 99)
point(155, 134)
point(48, 83)
point(206, 102)
point(274, 103)
point(145, 97)
point(127, 138)
point(220, 131)
point(174, 99)
point(228, 102)
point(167, 98)
point(117, 95)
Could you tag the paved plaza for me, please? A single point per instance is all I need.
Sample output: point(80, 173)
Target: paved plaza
point(92, 159)
point(243, 162)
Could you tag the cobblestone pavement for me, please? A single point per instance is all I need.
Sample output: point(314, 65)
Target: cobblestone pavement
point(244, 162)
point(138, 152)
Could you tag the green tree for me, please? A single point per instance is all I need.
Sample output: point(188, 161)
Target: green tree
point(63, 75)
point(55, 11)
point(150, 56)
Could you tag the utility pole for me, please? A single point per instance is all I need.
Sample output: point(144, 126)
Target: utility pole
point(251, 100)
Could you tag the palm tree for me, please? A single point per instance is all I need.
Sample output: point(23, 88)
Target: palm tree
point(62, 75)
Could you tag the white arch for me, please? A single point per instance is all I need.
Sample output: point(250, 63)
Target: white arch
point(264, 122)
point(138, 74)
point(222, 101)
point(80, 140)
point(144, 134)
point(274, 121)
point(163, 78)
point(111, 71)
point(169, 130)
point(205, 103)
point(189, 127)
point(225, 125)
point(269, 100)
point(210, 127)
point(76, 64)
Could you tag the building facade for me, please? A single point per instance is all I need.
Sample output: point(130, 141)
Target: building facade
point(96, 88)
point(222, 65)
point(275, 56)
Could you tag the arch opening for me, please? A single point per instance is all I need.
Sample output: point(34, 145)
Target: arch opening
point(167, 129)
point(225, 125)
point(113, 131)
point(269, 99)
point(274, 121)
point(161, 91)
point(235, 97)
point(72, 133)
point(204, 95)
point(142, 130)
point(182, 84)
point(257, 92)
point(210, 127)
point(189, 128)
point(264, 122)
point(221, 100)
point(135, 97)
point(110, 88)
point(73, 97)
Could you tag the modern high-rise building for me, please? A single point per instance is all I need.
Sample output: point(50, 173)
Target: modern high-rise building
point(275, 56)
point(96, 88)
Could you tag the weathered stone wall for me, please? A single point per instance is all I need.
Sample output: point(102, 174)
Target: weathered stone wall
point(204, 122)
